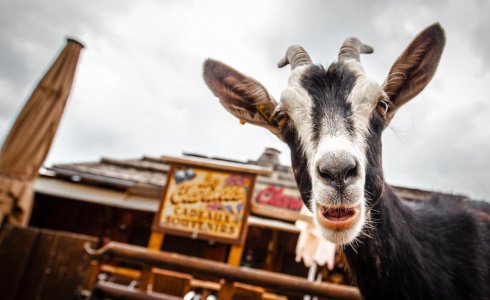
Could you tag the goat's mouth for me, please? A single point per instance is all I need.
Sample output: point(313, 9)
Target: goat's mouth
point(338, 217)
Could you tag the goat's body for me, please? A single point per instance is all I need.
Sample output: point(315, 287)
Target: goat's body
point(438, 249)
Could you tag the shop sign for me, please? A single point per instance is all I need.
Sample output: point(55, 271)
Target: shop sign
point(205, 203)
point(276, 201)
point(277, 196)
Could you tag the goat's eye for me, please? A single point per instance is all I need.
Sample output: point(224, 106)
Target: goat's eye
point(383, 106)
point(281, 118)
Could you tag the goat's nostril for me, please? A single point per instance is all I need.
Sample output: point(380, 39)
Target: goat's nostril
point(329, 177)
point(351, 174)
point(338, 173)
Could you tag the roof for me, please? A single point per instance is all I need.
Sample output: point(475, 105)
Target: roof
point(218, 165)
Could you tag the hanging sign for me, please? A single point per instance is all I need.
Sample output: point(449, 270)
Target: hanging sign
point(206, 200)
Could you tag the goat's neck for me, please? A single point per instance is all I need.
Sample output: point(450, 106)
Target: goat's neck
point(389, 244)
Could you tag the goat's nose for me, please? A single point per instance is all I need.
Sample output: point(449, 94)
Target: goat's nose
point(338, 170)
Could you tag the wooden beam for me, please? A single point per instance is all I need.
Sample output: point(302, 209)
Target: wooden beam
point(217, 165)
point(118, 290)
point(156, 240)
point(235, 255)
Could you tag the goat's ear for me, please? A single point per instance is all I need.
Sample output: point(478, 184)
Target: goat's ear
point(415, 67)
point(241, 95)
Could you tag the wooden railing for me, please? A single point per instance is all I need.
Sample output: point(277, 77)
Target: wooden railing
point(281, 283)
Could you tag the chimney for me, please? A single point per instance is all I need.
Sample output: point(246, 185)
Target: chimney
point(269, 158)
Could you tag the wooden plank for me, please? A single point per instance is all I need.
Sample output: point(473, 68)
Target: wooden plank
point(156, 240)
point(216, 251)
point(275, 212)
point(121, 291)
point(226, 291)
point(204, 284)
point(92, 273)
point(235, 256)
point(216, 165)
point(15, 248)
point(40, 267)
point(266, 223)
point(68, 266)
point(41, 264)
point(121, 271)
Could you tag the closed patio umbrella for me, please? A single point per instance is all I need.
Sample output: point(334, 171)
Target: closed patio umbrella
point(28, 142)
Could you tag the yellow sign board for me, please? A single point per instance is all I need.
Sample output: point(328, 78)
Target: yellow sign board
point(205, 203)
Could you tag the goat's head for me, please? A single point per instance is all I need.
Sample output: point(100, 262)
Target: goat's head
point(332, 120)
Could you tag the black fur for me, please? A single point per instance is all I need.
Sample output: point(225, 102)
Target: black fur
point(374, 171)
point(298, 162)
point(329, 90)
point(437, 249)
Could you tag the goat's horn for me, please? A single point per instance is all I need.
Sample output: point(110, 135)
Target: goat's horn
point(352, 48)
point(295, 56)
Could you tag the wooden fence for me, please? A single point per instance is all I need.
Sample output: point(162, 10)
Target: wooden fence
point(45, 264)
point(281, 283)
point(41, 264)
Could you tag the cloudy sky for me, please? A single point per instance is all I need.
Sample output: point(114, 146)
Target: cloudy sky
point(139, 90)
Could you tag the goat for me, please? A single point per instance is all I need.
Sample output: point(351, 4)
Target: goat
point(332, 120)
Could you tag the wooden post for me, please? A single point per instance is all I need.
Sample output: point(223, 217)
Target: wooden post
point(156, 240)
point(235, 256)
point(145, 279)
point(226, 290)
point(271, 252)
point(93, 271)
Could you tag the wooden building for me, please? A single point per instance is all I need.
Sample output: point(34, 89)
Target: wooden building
point(117, 200)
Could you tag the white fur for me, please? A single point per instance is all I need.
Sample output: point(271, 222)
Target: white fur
point(337, 146)
point(297, 103)
point(363, 99)
point(326, 195)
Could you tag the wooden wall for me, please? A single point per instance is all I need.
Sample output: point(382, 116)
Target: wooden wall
point(41, 264)
point(105, 222)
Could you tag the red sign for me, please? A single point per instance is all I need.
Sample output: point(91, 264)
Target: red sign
point(276, 196)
